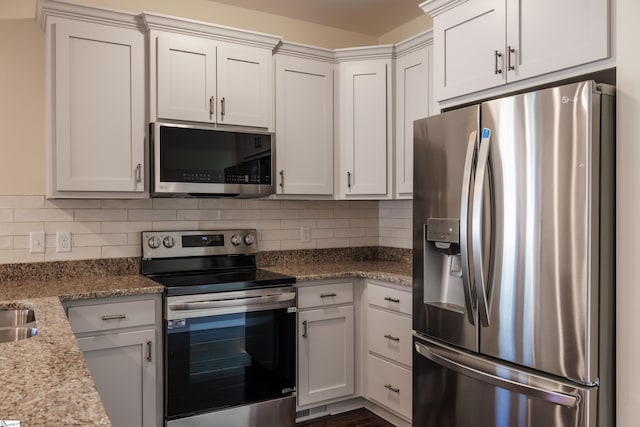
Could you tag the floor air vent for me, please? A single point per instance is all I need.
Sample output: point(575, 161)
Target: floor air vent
point(311, 413)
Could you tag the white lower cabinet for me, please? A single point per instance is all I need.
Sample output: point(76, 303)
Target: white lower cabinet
point(326, 358)
point(389, 351)
point(120, 339)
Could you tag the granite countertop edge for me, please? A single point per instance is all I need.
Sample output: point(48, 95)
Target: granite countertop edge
point(43, 384)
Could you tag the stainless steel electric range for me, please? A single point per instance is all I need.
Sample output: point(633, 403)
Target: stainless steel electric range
point(229, 330)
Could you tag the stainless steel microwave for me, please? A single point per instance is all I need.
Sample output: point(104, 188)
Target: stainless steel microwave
point(192, 161)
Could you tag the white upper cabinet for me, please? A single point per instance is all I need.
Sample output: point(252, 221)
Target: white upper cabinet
point(364, 130)
point(209, 74)
point(304, 120)
point(95, 105)
point(412, 92)
point(483, 44)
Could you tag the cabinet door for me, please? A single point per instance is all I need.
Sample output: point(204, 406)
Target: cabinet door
point(412, 103)
point(465, 41)
point(123, 367)
point(325, 354)
point(244, 86)
point(363, 128)
point(98, 120)
point(304, 126)
point(186, 78)
point(548, 35)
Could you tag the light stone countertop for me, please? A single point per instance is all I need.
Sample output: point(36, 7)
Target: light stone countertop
point(45, 379)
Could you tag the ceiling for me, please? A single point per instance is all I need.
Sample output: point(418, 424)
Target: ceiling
point(371, 17)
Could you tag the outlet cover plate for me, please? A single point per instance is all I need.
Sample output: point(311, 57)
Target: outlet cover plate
point(63, 241)
point(36, 242)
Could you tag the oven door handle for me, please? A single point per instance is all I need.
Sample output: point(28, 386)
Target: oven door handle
point(232, 302)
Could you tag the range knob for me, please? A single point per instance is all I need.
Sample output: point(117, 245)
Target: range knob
point(236, 239)
point(168, 242)
point(249, 239)
point(154, 242)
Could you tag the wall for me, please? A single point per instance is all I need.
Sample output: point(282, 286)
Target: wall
point(628, 212)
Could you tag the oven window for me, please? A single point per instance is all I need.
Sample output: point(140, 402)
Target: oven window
point(208, 156)
point(228, 360)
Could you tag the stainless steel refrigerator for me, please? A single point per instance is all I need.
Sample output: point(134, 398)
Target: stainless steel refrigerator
point(513, 280)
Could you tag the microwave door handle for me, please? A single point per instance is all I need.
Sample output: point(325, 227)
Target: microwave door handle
point(231, 302)
point(477, 228)
point(469, 297)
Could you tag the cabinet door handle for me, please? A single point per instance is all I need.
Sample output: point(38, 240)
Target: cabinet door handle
point(282, 178)
point(392, 338)
point(222, 111)
point(139, 173)
point(348, 179)
point(149, 351)
point(394, 300)
point(304, 329)
point(496, 56)
point(212, 106)
point(114, 316)
point(510, 66)
point(331, 295)
point(392, 388)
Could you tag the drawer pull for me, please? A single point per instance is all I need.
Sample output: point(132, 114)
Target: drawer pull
point(304, 329)
point(331, 295)
point(114, 316)
point(149, 344)
point(394, 300)
point(392, 338)
point(392, 388)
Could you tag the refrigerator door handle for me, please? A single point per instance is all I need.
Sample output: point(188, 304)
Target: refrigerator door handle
point(477, 228)
point(448, 360)
point(467, 175)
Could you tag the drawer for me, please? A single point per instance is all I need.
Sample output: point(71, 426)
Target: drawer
point(389, 298)
point(323, 295)
point(389, 335)
point(389, 385)
point(102, 317)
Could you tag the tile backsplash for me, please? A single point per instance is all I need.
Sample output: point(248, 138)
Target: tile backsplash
point(111, 228)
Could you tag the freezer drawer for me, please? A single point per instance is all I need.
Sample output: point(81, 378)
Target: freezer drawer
point(452, 388)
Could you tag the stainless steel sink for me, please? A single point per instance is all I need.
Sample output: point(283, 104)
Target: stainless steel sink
point(16, 317)
point(17, 324)
point(17, 333)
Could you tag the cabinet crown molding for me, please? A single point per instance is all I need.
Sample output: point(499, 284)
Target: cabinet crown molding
point(414, 43)
point(363, 53)
point(300, 50)
point(434, 8)
point(64, 9)
point(191, 27)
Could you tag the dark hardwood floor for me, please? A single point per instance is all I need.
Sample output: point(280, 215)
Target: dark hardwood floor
point(357, 418)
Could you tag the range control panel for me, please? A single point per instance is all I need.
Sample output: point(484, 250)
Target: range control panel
point(175, 244)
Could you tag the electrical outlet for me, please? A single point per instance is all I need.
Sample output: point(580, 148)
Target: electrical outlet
point(63, 241)
point(36, 242)
point(304, 234)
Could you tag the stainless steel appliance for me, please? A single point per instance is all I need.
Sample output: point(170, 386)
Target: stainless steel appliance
point(196, 161)
point(513, 261)
point(229, 342)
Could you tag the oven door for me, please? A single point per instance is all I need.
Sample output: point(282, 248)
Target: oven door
point(228, 349)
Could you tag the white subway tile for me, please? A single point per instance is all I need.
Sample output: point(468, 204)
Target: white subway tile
point(391, 223)
point(6, 215)
point(37, 215)
point(175, 203)
point(22, 242)
point(269, 245)
point(72, 203)
point(316, 213)
point(350, 232)
point(260, 204)
point(332, 243)
point(126, 226)
point(175, 225)
point(395, 243)
point(127, 204)
point(28, 202)
point(134, 238)
point(152, 215)
point(199, 215)
point(241, 214)
point(332, 223)
point(396, 204)
point(18, 228)
point(6, 242)
point(297, 244)
point(297, 223)
point(121, 251)
point(363, 222)
point(219, 204)
point(19, 255)
point(364, 204)
point(321, 233)
point(280, 214)
point(280, 234)
point(363, 241)
point(100, 214)
point(74, 227)
point(92, 252)
point(99, 239)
